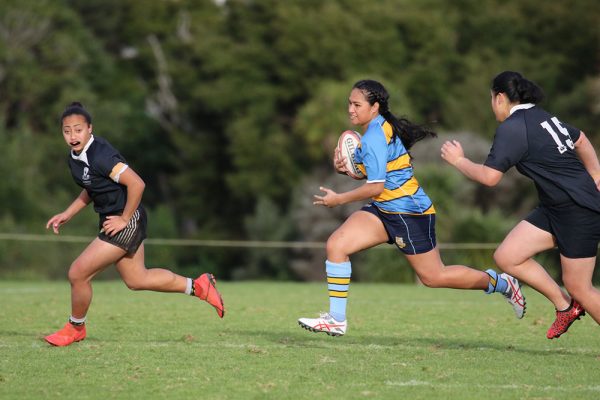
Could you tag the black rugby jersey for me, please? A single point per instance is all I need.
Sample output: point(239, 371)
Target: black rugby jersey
point(92, 169)
point(542, 148)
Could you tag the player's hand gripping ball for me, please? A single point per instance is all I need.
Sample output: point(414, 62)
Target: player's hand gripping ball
point(347, 145)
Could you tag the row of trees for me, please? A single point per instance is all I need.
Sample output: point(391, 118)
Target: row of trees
point(229, 109)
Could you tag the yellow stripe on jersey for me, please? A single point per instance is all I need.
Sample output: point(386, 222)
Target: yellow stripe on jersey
point(362, 168)
point(335, 293)
point(399, 163)
point(409, 188)
point(430, 210)
point(388, 131)
point(395, 165)
point(338, 281)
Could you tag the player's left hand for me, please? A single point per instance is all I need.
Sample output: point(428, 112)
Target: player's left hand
point(114, 224)
point(452, 152)
point(330, 199)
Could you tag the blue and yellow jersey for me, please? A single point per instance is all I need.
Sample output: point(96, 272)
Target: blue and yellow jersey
point(382, 159)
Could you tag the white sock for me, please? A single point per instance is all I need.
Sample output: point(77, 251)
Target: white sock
point(77, 321)
point(188, 287)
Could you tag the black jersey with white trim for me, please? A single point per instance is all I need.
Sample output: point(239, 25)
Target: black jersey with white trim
point(542, 148)
point(92, 170)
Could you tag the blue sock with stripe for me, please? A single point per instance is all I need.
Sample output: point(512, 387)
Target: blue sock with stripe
point(496, 283)
point(338, 281)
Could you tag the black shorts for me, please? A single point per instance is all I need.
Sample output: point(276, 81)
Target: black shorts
point(412, 234)
point(130, 238)
point(576, 229)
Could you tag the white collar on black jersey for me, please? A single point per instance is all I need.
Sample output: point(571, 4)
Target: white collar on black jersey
point(83, 155)
point(521, 107)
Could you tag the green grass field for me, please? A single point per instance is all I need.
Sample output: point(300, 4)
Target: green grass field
point(403, 341)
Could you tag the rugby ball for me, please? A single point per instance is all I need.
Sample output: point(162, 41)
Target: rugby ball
point(347, 145)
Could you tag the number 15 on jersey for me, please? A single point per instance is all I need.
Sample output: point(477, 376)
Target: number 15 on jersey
point(559, 145)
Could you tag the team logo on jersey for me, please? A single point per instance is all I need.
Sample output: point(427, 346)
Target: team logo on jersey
point(400, 242)
point(85, 177)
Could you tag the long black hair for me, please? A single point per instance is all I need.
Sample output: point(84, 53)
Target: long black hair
point(517, 88)
point(402, 128)
point(76, 108)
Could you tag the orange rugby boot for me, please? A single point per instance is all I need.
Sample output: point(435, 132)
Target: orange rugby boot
point(68, 334)
point(205, 289)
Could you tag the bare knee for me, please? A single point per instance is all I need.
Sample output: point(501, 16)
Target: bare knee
point(430, 280)
point(138, 280)
point(499, 258)
point(75, 275)
point(134, 283)
point(335, 249)
point(502, 260)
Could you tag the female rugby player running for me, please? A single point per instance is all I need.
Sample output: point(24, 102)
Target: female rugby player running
point(565, 169)
point(116, 191)
point(400, 213)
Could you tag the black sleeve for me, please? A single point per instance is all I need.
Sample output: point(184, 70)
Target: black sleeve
point(107, 158)
point(573, 132)
point(509, 147)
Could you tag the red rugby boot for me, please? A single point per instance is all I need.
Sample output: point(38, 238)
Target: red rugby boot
point(205, 289)
point(564, 319)
point(68, 334)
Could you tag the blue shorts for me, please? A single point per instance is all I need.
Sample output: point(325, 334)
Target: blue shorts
point(575, 228)
point(412, 234)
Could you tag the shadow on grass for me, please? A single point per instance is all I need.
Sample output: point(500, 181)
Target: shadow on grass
point(287, 338)
point(425, 344)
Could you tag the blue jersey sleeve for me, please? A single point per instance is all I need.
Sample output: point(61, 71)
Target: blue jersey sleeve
point(374, 154)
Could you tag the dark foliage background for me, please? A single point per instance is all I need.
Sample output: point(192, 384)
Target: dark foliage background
point(230, 109)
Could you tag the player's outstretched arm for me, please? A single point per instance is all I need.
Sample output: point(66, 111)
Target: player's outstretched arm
point(77, 205)
point(452, 152)
point(586, 153)
point(363, 192)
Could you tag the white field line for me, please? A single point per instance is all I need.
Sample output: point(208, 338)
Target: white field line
point(513, 386)
point(25, 237)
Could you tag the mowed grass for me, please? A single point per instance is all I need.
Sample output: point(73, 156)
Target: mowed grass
point(403, 342)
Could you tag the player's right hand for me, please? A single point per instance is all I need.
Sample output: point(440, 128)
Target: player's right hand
point(56, 221)
point(452, 152)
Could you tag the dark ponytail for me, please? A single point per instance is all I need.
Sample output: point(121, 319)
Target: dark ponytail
point(517, 89)
point(76, 108)
point(408, 132)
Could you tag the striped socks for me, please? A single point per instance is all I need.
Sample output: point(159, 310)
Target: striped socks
point(338, 281)
point(496, 284)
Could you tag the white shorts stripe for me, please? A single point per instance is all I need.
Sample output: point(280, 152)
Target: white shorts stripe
point(408, 233)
